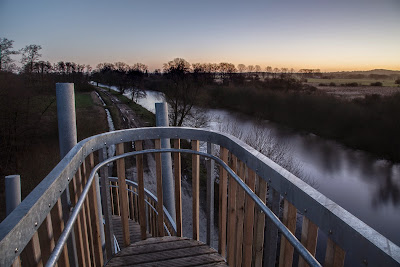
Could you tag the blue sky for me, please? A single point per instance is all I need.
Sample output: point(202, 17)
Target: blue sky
point(330, 35)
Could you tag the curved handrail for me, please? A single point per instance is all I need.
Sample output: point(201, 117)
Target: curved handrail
point(19, 227)
point(152, 197)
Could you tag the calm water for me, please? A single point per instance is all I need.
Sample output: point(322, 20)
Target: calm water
point(364, 185)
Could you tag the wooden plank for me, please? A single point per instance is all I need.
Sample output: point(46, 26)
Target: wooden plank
point(46, 239)
point(261, 191)
point(232, 189)
point(309, 235)
point(289, 219)
point(249, 221)
point(335, 255)
point(195, 189)
point(95, 225)
point(160, 217)
point(142, 208)
point(31, 255)
point(123, 195)
point(223, 177)
point(58, 226)
point(178, 193)
point(240, 217)
point(168, 251)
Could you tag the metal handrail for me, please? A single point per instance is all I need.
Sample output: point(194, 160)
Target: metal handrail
point(285, 231)
point(152, 197)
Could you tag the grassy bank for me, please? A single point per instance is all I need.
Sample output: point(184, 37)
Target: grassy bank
point(29, 131)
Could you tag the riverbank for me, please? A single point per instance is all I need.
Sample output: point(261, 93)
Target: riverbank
point(370, 124)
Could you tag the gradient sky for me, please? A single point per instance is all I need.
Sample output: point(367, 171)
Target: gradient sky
point(330, 35)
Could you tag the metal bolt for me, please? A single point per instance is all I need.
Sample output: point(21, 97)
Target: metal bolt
point(36, 224)
point(269, 180)
point(105, 143)
point(285, 193)
point(121, 139)
point(60, 190)
point(330, 232)
point(365, 262)
point(16, 250)
point(92, 148)
point(305, 210)
point(49, 205)
point(80, 161)
point(68, 179)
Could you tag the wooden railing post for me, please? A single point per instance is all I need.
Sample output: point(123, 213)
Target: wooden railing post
point(178, 193)
point(223, 177)
point(249, 221)
point(142, 208)
point(261, 191)
point(195, 189)
point(123, 196)
point(232, 190)
point(289, 220)
point(106, 204)
point(94, 215)
point(46, 239)
point(335, 255)
point(240, 217)
point(309, 235)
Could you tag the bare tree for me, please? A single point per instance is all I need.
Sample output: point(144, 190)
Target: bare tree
point(181, 92)
point(241, 68)
point(6, 62)
point(30, 55)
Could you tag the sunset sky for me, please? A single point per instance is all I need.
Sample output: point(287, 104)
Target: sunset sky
point(330, 35)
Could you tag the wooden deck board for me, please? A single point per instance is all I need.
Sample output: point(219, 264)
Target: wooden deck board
point(134, 230)
point(167, 251)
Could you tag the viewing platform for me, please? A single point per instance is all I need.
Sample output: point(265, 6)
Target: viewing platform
point(80, 215)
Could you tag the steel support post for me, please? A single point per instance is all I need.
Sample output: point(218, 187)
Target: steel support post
point(67, 137)
point(13, 192)
point(166, 162)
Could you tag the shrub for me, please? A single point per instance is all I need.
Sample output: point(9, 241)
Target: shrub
point(376, 84)
point(332, 84)
point(322, 84)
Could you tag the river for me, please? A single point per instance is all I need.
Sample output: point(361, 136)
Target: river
point(364, 185)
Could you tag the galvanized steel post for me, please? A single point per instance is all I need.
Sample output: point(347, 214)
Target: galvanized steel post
point(67, 138)
point(13, 192)
point(166, 161)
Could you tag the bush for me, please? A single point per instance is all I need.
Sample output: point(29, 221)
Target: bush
point(332, 84)
point(376, 84)
point(397, 81)
point(354, 84)
point(322, 84)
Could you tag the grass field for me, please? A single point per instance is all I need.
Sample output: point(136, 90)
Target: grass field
point(338, 82)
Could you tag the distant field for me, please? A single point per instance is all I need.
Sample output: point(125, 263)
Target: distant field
point(338, 82)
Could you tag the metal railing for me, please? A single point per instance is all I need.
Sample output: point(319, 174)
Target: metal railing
point(246, 234)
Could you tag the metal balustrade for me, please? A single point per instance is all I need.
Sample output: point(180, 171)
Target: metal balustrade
point(250, 190)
